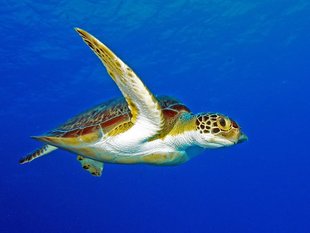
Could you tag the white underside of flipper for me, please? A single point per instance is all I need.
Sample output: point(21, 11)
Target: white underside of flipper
point(147, 116)
point(146, 112)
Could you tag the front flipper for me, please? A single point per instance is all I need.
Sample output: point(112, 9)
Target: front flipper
point(93, 167)
point(147, 117)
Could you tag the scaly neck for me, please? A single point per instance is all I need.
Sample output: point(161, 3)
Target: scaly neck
point(184, 131)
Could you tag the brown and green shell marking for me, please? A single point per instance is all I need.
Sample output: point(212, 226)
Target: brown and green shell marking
point(108, 119)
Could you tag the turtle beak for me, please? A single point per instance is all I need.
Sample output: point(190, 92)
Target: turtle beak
point(242, 138)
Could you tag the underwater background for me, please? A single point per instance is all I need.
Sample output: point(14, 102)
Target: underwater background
point(247, 59)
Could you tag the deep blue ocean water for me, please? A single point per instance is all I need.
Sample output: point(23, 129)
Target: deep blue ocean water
point(247, 59)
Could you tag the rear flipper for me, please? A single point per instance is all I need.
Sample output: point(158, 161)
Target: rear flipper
point(92, 166)
point(37, 153)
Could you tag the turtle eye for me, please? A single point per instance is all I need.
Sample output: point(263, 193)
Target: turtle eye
point(223, 123)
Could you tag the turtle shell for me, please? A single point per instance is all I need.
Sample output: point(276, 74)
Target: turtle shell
point(100, 120)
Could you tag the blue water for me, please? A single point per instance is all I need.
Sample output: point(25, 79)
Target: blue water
point(247, 59)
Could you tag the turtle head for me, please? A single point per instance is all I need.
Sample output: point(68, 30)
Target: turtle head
point(216, 130)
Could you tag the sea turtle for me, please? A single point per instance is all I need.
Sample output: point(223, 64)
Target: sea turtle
point(139, 128)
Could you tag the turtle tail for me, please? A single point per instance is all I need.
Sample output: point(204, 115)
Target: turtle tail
point(37, 153)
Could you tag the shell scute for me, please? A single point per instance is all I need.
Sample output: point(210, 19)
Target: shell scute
point(110, 115)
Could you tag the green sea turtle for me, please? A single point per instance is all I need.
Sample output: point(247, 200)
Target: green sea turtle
point(139, 128)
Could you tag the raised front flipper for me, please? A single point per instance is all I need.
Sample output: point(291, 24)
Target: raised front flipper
point(37, 153)
point(93, 167)
point(147, 117)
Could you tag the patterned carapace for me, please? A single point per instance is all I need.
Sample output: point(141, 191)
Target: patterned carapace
point(111, 114)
